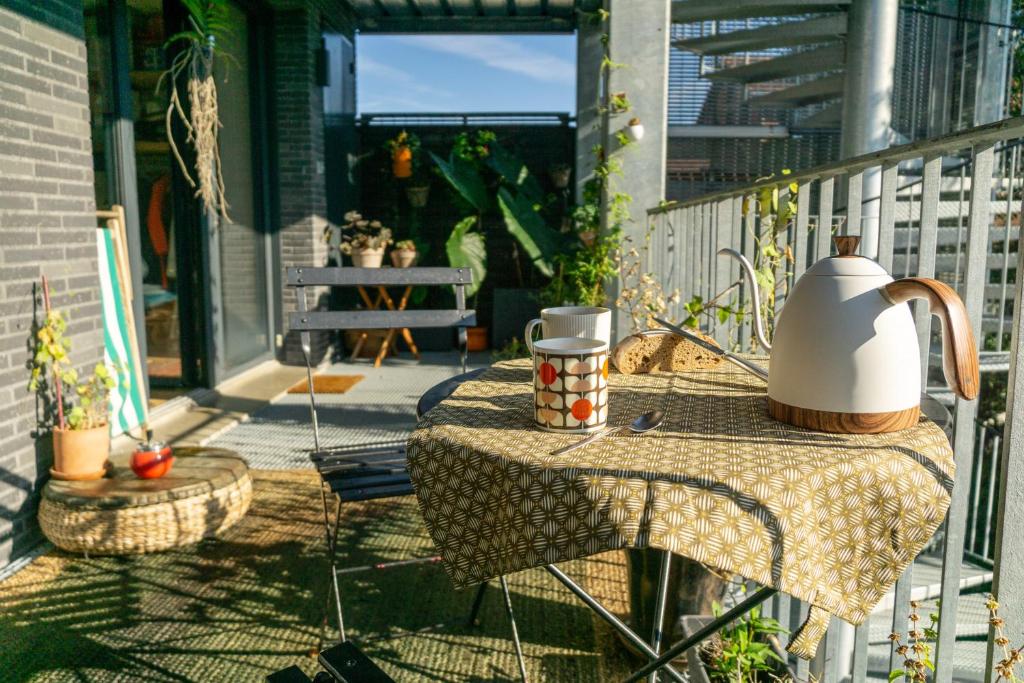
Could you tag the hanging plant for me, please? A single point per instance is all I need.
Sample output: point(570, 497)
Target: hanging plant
point(210, 24)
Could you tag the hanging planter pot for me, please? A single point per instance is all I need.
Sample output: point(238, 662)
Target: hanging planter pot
point(418, 195)
point(404, 254)
point(560, 175)
point(635, 130)
point(401, 162)
point(476, 338)
point(588, 237)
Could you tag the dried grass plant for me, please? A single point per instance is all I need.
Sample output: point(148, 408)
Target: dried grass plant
point(201, 120)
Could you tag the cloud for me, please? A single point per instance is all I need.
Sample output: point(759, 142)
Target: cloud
point(386, 73)
point(499, 53)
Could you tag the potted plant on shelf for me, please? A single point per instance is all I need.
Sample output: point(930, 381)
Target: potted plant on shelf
point(364, 240)
point(560, 174)
point(404, 254)
point(403, 148)
point(81, 436)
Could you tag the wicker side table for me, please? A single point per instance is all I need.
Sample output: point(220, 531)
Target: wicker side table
point(206, 492)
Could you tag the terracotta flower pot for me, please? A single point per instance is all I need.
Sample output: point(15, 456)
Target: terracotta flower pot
point(476, 339)
point(401, 162)
point(418, 196)
point(403, 258)
point(367, 258)
point(588, 237)
point(80, 454)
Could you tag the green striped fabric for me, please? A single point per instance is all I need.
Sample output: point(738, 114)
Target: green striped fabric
point(127, 400)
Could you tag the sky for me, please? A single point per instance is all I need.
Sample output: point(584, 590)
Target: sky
point(465, 73)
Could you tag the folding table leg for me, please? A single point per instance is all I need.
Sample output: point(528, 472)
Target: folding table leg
point(659, 608)
point(515, 631)
point(478, 601)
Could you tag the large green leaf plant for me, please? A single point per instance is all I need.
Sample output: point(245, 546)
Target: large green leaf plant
point(490, 178)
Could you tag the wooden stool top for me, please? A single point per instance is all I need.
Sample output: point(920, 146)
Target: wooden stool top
point(196, 470)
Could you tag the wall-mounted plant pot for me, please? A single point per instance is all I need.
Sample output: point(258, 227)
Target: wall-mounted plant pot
point(401, 162)
point(403, 258)
point(635, 130)
point(80, 454)
point(560, 176)
point(476, 338)
point(367, 258)
point(588, 237)
point(418, 195)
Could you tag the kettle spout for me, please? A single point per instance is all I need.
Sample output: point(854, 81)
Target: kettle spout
point(755, 293)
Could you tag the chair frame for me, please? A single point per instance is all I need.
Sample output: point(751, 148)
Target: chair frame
point(382, 472)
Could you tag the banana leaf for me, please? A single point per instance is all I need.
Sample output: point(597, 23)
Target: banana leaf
point(514, 172)
point(466, 249)
point(540, 242)
point(463, 176)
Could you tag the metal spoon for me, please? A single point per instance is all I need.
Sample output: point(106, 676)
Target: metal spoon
point(644, 423)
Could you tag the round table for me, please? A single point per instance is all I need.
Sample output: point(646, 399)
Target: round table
point(206, 492)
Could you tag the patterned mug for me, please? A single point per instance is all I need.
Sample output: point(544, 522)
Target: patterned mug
point(570, 384)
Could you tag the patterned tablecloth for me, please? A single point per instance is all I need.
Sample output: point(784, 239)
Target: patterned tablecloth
point(832, 519)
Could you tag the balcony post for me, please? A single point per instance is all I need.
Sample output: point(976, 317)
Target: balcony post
point(867, 101)
point(589, 122)
point(638, 33)
point(1008, 580)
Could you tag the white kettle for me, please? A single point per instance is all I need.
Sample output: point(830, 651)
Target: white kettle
point(845, 355)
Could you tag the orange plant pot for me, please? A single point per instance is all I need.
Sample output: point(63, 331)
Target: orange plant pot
point(80, 454)
point(476, 338)
point(401, 162)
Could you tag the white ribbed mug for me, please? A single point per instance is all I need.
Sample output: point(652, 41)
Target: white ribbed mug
point(586, 322)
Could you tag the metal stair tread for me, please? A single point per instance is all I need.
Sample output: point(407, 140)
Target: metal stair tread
point(829, 57)
point(702, 10)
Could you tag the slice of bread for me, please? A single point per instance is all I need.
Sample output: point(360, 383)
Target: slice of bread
point(659, 352)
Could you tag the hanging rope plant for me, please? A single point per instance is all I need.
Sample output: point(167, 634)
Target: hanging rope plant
point(210, 25)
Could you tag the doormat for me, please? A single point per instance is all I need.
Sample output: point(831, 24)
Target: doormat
point(328, 384)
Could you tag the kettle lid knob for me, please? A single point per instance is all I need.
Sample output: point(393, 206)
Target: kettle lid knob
point(846, 245)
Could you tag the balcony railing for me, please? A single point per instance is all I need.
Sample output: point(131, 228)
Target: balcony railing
point(962, 225)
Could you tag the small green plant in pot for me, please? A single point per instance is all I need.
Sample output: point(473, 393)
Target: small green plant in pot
point(404, 254)
point(745, 651)
point(78, 407)
point(364, 240)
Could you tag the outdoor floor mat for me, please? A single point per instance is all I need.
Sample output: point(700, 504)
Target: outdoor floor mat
point(251, 603)
point(327, 384)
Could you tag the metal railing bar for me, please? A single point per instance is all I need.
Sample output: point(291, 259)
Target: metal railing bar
point(901, 613)
point(974, 511)
point(859, 670)
point(965, 412)
point(803, 217)
point(928, 236)
point(887, 214)
point(979, 136)
point(731, 265)
point(854, 203)
point(990, 503)
point(826, 192)
point(1006, 241)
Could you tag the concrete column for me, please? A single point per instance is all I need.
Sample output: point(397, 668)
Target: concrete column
point(639, 40)
point(990, 89)
point(589, 122)
point(867, 100)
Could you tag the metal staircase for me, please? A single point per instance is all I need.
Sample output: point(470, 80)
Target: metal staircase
point(814, 63)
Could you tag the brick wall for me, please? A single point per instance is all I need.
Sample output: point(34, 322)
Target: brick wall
point(298, 106)
point(47, 226)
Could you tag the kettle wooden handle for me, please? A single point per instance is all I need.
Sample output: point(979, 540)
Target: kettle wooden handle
point(959, 349)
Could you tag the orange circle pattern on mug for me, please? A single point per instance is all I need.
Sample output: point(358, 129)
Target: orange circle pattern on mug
point(571, 391)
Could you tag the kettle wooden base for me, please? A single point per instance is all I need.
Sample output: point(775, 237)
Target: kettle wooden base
point(844, 423)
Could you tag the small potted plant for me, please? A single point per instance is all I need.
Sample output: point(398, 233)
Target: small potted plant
point(364, 240)
point(404, 254)
point(635, 129)
point(81, 435)
point(403, 148)
point(560, 174)
point(746, 650)
point(418, 193)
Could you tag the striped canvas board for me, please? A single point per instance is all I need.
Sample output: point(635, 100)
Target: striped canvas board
point(127, 400)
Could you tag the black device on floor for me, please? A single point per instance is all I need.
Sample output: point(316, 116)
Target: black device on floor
point(347, 664)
